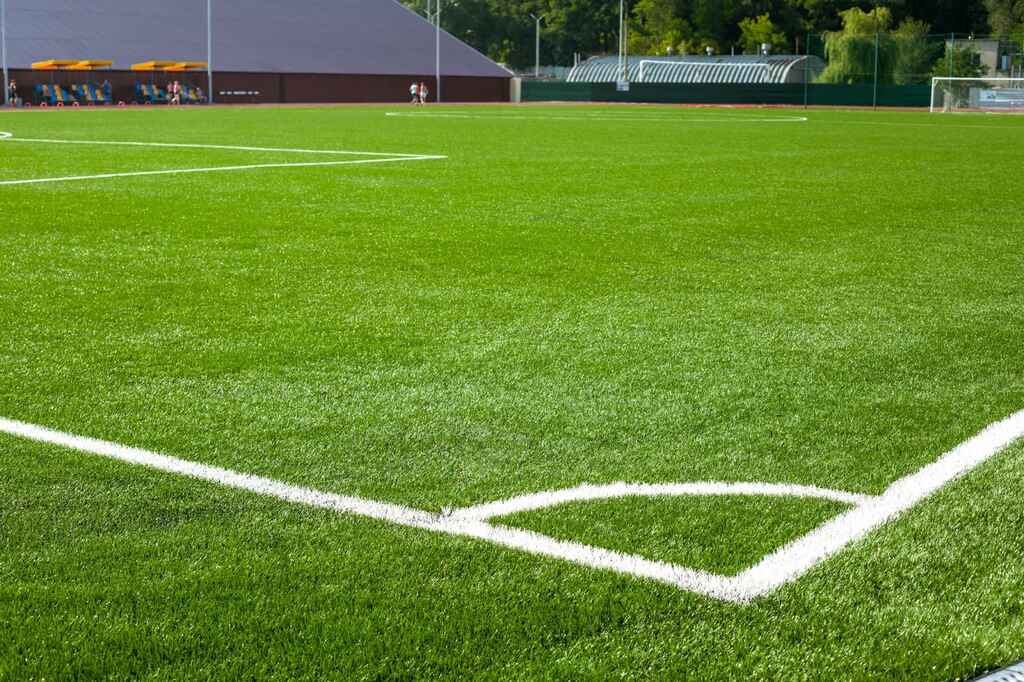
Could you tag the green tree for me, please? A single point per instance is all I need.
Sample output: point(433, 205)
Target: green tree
point(757, 31)
point(851, 52)
point(657, 28)
point(913, 53)
point(1004, 16)
point(503, 30)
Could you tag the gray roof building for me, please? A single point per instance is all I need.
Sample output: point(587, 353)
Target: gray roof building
point(378, 37)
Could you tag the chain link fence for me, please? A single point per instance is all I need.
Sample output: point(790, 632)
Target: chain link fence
point(897, 67)
point(884, 69)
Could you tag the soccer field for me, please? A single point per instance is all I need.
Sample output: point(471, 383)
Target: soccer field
point(510, 392)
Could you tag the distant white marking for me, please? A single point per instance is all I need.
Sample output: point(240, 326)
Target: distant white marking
point(781, 567)
point(379, 157)
point(588, 492)
point(909, 124)
point(601, 117)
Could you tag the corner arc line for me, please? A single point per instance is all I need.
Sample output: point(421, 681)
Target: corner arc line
point(588, 492)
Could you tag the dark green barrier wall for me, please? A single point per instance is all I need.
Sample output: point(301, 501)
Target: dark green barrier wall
point(863, 95)
point(814, 94)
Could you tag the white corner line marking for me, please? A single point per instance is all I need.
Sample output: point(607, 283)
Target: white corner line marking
point(796, 558)
point(779, 568)
point(379, 157)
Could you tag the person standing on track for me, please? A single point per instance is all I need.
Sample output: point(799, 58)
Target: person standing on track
point(424, 93)
point(12, 93)
point(414, 91)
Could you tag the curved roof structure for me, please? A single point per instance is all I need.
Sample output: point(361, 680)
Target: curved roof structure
point(297, 36)
point(725, 69)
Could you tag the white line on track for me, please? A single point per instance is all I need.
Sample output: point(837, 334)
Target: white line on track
point(781, 567)
point(598, 117)
point(378, 157)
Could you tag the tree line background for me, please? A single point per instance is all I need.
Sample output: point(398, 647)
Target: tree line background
point(504, 31)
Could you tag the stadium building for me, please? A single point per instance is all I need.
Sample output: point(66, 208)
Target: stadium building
point(699, 70)
point(261, 51)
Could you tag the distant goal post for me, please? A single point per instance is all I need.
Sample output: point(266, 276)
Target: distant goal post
point(951, 95)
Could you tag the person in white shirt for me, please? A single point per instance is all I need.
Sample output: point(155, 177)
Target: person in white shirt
point(414, 91)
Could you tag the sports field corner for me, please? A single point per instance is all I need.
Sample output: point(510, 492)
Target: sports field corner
point(510, 392)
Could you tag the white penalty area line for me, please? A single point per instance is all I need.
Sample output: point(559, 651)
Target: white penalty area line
point(600, 117)
point(377, 157)
point(779, 568)
point(213, 169)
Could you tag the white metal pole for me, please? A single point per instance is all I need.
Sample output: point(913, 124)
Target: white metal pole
point(626, 44)
point(874, 96)
point(209, 51)
point(536, 51)
point(622, 63)
point(437, 52)
point(3, 48)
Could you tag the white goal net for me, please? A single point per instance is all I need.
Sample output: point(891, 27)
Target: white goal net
point(978, 94)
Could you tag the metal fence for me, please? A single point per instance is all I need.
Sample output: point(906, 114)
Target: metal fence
point(893, 68)
point(904, 59)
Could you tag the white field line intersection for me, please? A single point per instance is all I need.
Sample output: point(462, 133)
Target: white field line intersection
point(779, 568)
point(378, 157)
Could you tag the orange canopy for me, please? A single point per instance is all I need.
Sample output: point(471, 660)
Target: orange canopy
point(187, 66)
point(90, 64)
point(168, 66)
point(54, 64)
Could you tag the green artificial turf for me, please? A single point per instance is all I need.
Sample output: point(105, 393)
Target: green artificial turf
point(576, 294)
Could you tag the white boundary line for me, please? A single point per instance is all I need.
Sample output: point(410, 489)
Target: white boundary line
point(380, 157)
point(598, 117)
point(783, 566)
point(214, 169)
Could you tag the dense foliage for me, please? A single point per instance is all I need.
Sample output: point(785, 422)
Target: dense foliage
point(504, 30)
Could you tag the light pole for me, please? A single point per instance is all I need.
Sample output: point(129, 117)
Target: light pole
point(437, 52)
point(622, 63)
point(209, 51)
point(536, 63)
point(623, 43)
point(434, 17)
point(3, 49)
